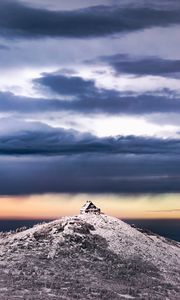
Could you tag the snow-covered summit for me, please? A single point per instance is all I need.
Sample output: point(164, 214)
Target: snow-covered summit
point(88, 256)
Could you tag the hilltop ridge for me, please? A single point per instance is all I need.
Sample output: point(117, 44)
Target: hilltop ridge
point(88, 256)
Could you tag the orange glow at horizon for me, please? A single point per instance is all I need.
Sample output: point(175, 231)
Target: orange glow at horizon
point(54, 206)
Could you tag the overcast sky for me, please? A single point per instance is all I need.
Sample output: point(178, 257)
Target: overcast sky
point(89, 97)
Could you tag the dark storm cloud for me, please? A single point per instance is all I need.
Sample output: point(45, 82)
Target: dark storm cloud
point(39, 159)
point(37, 139)
point(19, 20)
point(64, 85)
point(90, 100)
point(90, 173)
point(154, 66)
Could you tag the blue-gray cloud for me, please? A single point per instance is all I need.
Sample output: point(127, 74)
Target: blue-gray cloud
point(19, 20)
point(90, 173)
point(35, 158)
point(88, 99)
point(38, 159)
point(67, 85)
point(144, 66)
point(40, 139)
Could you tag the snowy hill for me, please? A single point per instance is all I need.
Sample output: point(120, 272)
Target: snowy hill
point(88, 257)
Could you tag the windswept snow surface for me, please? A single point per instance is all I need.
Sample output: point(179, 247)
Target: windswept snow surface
point(88, 257)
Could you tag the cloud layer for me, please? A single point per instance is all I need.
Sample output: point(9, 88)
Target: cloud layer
point(39, 139)
point(86, 98)
point(83, 61)
point(40, 159)
point(143, 66)
point(90, 173)
point(19, 20)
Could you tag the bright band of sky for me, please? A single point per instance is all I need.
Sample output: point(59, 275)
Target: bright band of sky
point(49, 206)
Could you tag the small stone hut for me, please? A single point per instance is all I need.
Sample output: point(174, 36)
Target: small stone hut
point(89, 207)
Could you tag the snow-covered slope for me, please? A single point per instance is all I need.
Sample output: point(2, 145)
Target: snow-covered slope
point(88, 257)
